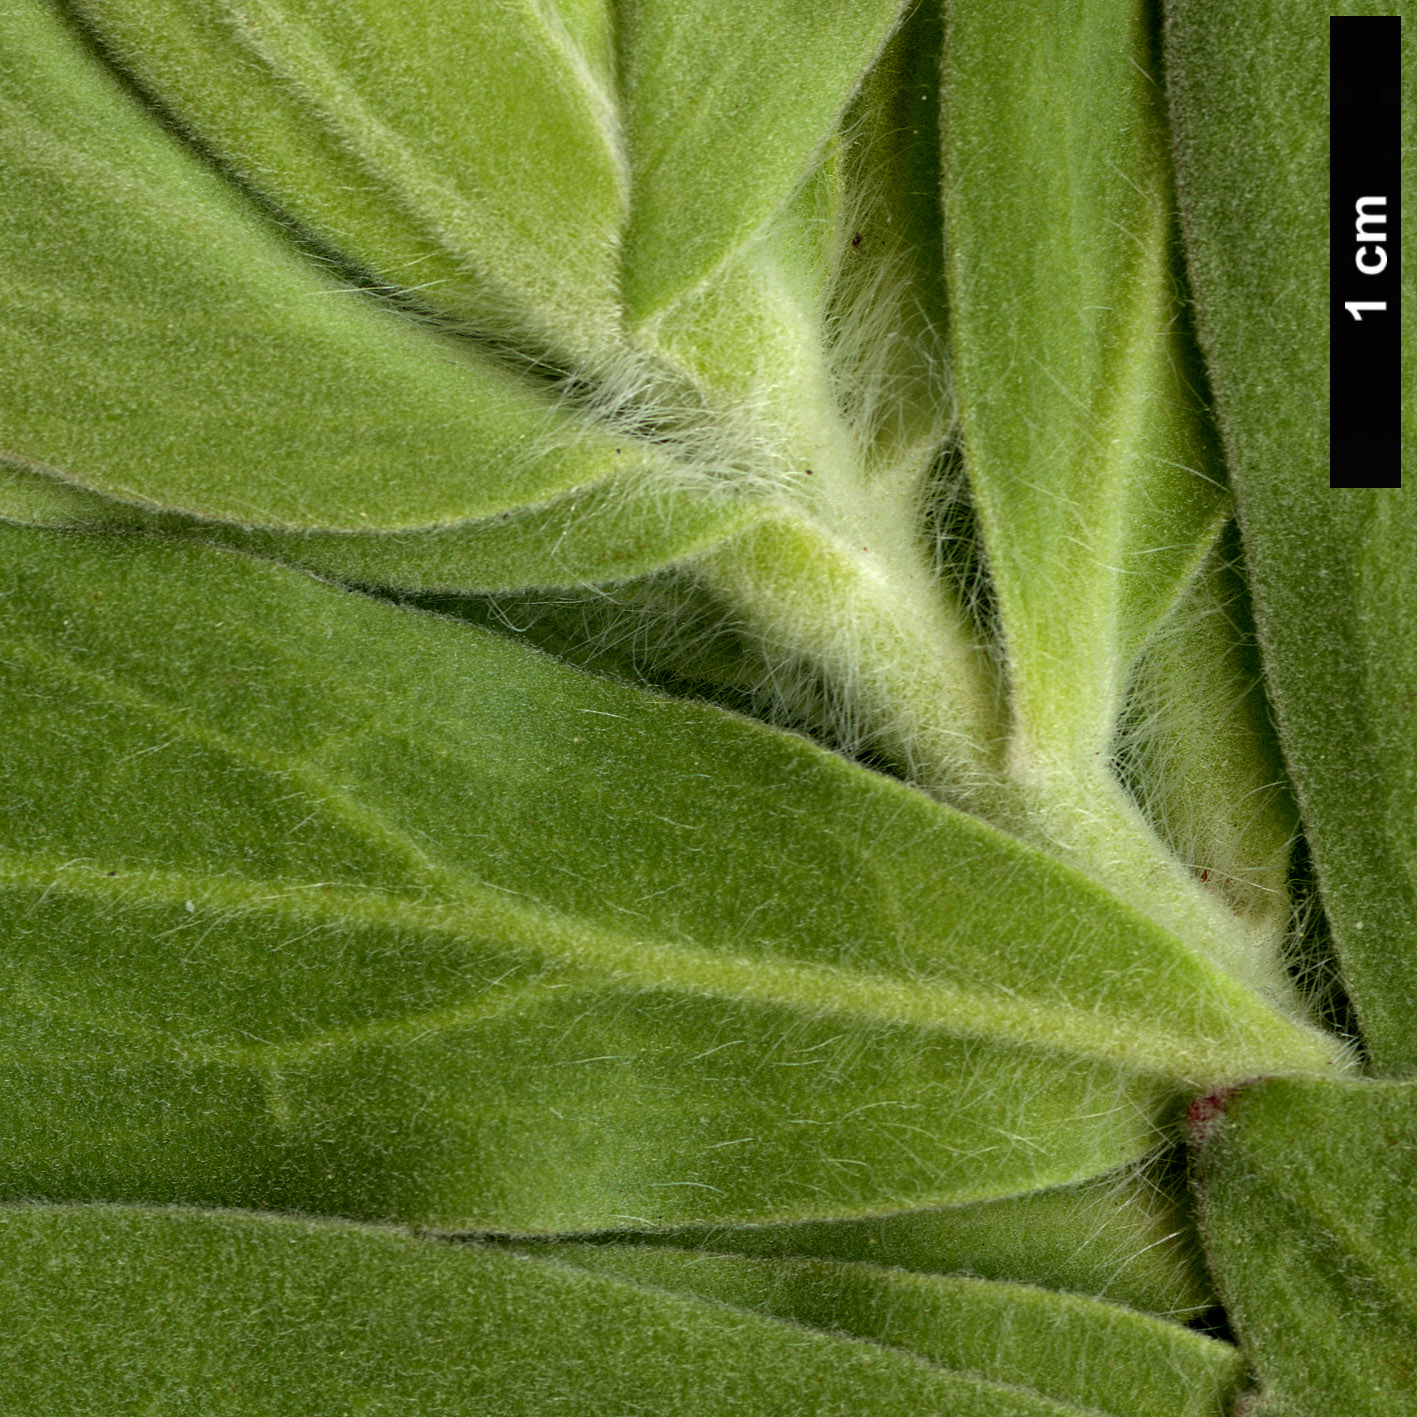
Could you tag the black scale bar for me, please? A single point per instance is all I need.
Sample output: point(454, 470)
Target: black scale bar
point(1365, 312)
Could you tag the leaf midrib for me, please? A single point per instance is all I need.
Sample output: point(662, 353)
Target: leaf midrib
point(475, 907)
point(635, 961)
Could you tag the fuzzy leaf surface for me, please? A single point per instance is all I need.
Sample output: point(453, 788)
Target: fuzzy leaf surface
point(723, 120)
point(1094, 471)
point(1331, 570)
point(1308, 1199)
point(169, 347)
point(1127, 1237)
point(111, 1309)
point(1200, 752)
point(312, 913)
point(1063, 1347)
point(623, 526)
point(469, 154)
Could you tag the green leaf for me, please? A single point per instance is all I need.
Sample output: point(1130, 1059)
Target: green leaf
point(816, 346)
point(1308, 1203)
point(165, 344)
point(1331, 570)
point(306, 910)
point(224, 376)
point(1094, 471)
point(626, 525)
point(1199, 751)
point(236, 388)
point(887, 314)
point(1337, 606)
point(523, 166)
point(1074, 1351)
point(472, 155)
point(1093, 468)
point(827, 327)
point(110, 1309)
point(833, 364)
point(1127, 1237)
point(723, 119)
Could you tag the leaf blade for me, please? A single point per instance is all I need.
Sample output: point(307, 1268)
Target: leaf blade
point(1311, 1244)
point(221, 372)
point(1073, 1351)
point(1094, 499)
point(1329, 568)
point(111, 1307)
point(625, 525)
point(723, 120)
point(613, 886)
point(1125, 1237)
point(496, 202)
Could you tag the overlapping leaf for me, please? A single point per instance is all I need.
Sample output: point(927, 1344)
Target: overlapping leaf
point(202, 365)
point(320, 904)
point(1074, 1351)
point(621, 527)
point(472, 155)
point(1092, 465)
point(1127, 1237)
point(723, 119)
point(165, 344)
point(225, 376)
point(1094, 469)
point(306, 910)
point(108, 1308)
point(1199, 751)
point(1331, 569)
point(1307, 1204)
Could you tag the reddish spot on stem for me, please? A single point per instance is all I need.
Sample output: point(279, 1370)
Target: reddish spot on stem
point(1204, 1114)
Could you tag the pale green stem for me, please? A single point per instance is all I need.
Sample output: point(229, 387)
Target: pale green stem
point(913, 682)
